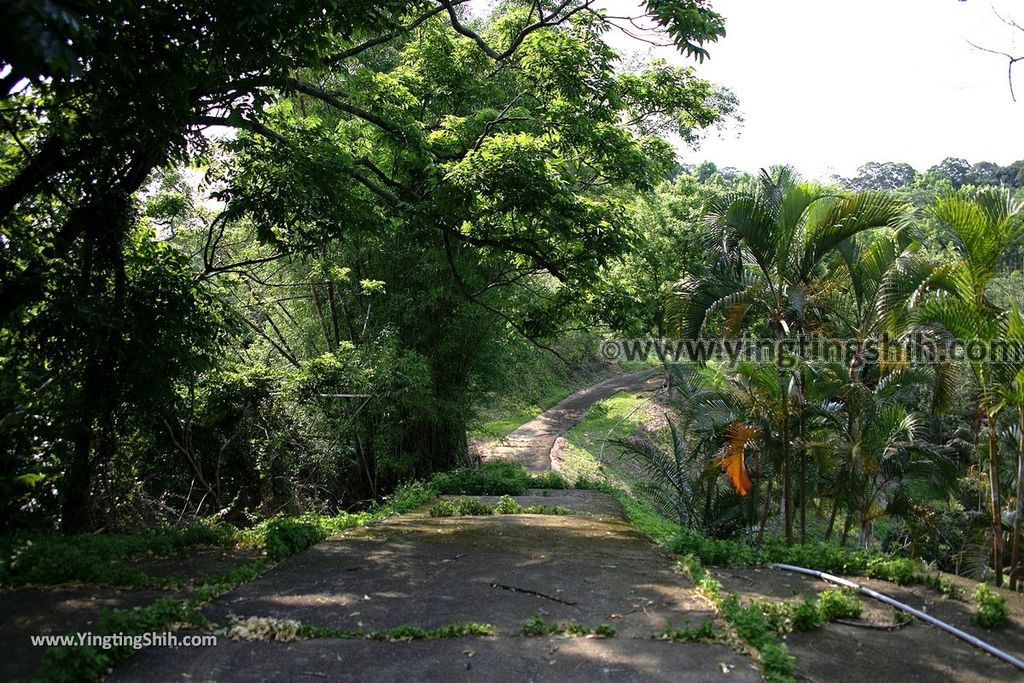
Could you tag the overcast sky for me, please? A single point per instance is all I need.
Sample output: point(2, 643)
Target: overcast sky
point(826, 85)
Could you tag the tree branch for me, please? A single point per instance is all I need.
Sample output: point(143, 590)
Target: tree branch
point(243, 124)
point(388, 37)
point(556, 17)
point(1011, 61)
point(501, 314)
point(333, 101)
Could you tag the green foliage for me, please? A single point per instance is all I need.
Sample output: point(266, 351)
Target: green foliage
point(492, 478)
point(459, 507)
point(838, 604)
point(403, 633)
point(100, 558)
point(787, 616)
point(640, 516)
point(806, 616)
point(898, 569)
point(900, 617)
point(285, 537)
point(750, 622)
point(756, 629)
point(711, 551)
point(508, 506)
point(992, 612)
point(405, 498)
point(87, 663)
point(945, 586)
point(548, 480)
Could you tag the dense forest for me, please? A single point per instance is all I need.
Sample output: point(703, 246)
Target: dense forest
point(262, 259)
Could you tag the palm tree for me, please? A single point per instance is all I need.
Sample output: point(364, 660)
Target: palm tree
point(773, 244)
point(982, 226)
point(886, 451)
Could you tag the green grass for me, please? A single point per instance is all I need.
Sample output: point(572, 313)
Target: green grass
point(101, 558)
point(588, 455)
point(640, 515)
point(87, 663)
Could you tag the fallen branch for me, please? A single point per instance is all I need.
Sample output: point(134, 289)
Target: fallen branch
point(514, 589)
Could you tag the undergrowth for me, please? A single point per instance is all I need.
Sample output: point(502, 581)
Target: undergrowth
point(749, 622)
point(494, 478)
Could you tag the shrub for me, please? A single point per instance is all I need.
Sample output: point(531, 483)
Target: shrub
point(838, 605)
point(508, 506)
point(825, 557)
point(285, 537)
point(711, 550)
point(407, 498)
point(442, 508)
point(806, 617)
point(459, 507)
point(548, 480)
point(898, 569)
point(992, 612)
point(471, 507)
point(492, 478)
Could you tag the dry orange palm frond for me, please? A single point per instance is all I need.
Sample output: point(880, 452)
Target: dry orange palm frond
point(732, 462)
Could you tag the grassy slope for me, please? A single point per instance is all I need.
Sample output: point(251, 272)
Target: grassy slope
point(590, 450)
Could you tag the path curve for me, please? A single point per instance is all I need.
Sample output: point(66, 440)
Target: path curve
point(531, 443)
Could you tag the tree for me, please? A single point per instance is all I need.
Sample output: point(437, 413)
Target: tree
point(459, 140)
point(882, 176)
point(143, 82)
point(956, 171)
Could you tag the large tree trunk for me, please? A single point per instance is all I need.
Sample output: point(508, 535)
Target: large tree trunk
point(76, 494)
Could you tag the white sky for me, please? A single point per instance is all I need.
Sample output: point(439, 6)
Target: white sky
point(826, 85)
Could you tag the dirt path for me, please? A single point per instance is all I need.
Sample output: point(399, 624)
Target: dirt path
point(531, 444)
